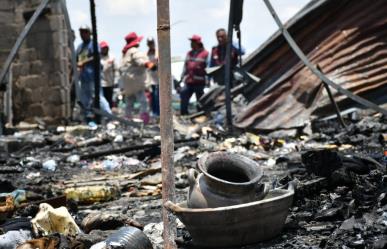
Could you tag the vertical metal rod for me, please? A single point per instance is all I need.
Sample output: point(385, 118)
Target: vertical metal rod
point(97, 61)
point(334, 103)
point(9, 97)
point(166, 122)
point(227, 77)
point(240, 47)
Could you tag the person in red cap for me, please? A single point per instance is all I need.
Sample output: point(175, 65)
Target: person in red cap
point(108, 72)
point(133, 75)
point(194, 74)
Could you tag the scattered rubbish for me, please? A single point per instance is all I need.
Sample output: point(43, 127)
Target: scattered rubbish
point(18, 196)
point(92, 194)
point(50, 165)
point(33, 175)
point(42, 243)
point(154, 232)
point(7, 208)
point(12, 239)
point(73, 159)
point(50, 220)
point(106, 221)
point(126, 238)
point(324, 162)
point(31, 163)
point(118, 139)
point(16, 224)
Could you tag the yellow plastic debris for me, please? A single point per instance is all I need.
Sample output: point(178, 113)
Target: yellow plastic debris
point(50, 220)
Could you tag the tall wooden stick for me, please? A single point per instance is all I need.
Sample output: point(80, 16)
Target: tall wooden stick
point(166, 120)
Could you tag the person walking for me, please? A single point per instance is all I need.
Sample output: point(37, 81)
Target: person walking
point(108, 71)
point(133, 76)
point(152, 77)
point(194, 74)
point(86, 74)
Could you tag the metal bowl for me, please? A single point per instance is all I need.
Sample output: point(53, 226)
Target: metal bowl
point(236, 225)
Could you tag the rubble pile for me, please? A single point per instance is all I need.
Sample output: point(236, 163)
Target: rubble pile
point(78, 186)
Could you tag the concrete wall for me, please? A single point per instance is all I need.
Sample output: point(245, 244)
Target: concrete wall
point(40, 72)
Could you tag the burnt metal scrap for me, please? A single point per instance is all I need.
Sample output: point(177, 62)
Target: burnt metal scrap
point(289, 94)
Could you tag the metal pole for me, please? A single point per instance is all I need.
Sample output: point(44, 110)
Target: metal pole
point(239, 35)
point(293, 45)
point(227, 76)
point(20, 39)
point(166, 122)
point(97, 63)
point(8, 98)
point(334, 103)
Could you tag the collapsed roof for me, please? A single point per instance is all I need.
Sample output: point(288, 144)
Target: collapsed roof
point(346, 39)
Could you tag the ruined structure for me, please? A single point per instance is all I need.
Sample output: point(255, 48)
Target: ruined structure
point(40, 72)
point(345, 38)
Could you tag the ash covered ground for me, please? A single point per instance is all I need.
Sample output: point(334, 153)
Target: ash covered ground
point(110, 176)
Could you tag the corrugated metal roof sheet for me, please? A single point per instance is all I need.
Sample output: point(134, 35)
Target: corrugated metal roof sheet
point(347, 39)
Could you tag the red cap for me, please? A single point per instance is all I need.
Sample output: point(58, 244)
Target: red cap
point(131, 40)
point(103, 44)
point(196, 38)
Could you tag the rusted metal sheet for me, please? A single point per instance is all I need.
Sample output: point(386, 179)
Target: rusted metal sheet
point(345, 38)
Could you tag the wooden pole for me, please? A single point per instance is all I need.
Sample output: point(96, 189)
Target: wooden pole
point(166, 121)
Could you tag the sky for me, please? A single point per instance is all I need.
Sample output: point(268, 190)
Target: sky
point(117, 18)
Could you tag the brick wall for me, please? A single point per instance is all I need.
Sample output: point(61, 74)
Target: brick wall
point(40, 73)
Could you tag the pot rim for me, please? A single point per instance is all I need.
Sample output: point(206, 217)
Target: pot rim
point(203, 159)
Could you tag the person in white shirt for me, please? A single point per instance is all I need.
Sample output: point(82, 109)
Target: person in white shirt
point(152, 76)
point(133, 69)
point(108, 73)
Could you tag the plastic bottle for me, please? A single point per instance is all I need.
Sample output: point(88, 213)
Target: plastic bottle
point(91, 194)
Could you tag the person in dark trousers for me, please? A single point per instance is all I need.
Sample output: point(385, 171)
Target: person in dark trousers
point(86, 74)
point(194, 74)
point(218, 52)
point(152, 76)
point(108, 72)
